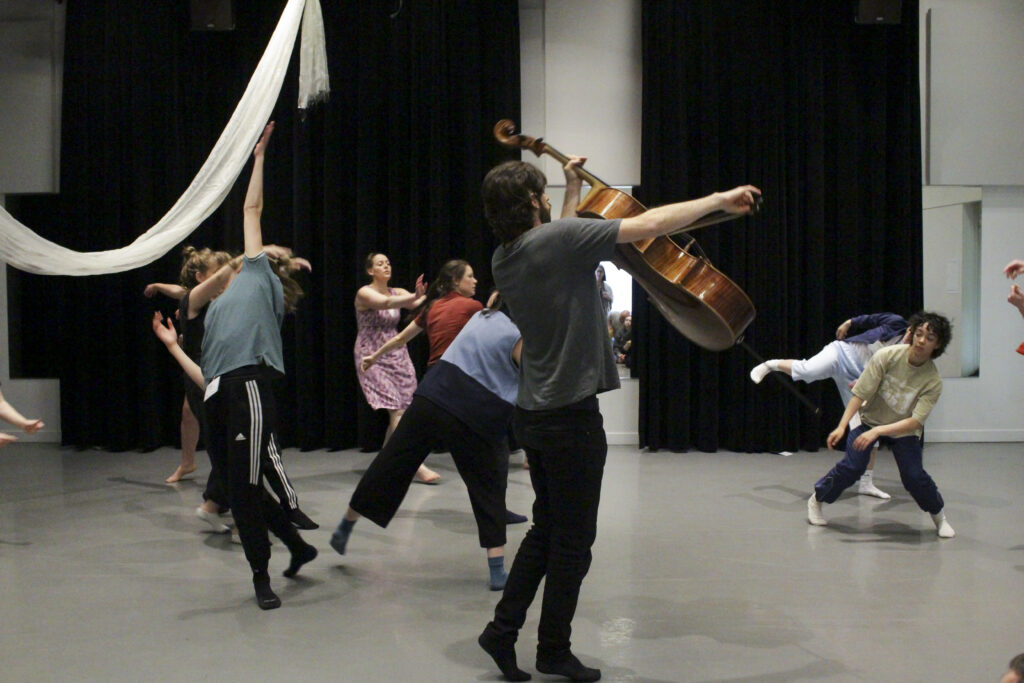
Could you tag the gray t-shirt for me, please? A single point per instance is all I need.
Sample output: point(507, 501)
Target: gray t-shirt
point(546, 276)
point(243, 325)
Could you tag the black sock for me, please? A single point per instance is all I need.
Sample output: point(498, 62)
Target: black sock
point(503, 655)
point(306, 554)
point(566, 664)
point(265, 596)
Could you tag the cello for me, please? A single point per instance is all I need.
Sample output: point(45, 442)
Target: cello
point(696, 298)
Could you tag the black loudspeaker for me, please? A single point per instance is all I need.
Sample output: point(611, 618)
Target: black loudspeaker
point(879, 11)
point(212, 15)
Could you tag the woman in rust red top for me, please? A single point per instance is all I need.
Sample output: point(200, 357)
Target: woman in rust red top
point(448, 306)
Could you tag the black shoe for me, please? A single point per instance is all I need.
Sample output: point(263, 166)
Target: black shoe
point(265, 596)
point(566, 664)
point(300, 520)
point(514, 518)
point(504, 655)
point(307, 554)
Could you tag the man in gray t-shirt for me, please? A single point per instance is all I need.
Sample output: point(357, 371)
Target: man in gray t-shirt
point(561, 313)
point(545, 272)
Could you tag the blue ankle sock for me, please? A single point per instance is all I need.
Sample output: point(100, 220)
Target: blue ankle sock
point(498, 574)
point(339, 539)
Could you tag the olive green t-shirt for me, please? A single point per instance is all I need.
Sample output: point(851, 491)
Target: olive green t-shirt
point(892, 389)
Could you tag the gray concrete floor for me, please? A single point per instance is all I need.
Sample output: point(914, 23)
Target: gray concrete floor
point(704, 570)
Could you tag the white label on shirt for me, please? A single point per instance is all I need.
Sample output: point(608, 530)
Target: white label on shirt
point(211, 388)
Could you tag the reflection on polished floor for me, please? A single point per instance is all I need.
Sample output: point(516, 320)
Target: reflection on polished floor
point(704, 570)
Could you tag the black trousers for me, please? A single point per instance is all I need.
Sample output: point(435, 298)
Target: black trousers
point(482, 465)
point(217, 483)
point(242, 415)
point(566, 448)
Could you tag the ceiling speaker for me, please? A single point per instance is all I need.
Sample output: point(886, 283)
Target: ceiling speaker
point(879, 11)
point(212, 15)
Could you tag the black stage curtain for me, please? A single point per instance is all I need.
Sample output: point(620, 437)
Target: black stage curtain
point(823, 115)
point(392, 163)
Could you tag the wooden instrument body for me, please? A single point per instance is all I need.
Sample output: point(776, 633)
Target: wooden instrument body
point(701, 302)
point(696, 298)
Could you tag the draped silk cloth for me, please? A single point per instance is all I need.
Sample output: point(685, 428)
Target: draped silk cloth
point(22, 248)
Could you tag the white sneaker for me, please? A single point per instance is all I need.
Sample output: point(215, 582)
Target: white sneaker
point(213, 520)
point(759, 373)
point(814, 512)
point(942, 526)
point(866, 487)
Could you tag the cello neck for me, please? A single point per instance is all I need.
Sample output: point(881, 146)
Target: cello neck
point(582, 172)
point(504, 132)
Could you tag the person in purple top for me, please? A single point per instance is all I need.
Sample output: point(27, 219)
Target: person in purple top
point(843, 361)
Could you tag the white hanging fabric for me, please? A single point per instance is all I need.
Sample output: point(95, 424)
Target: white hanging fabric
point(22, 248)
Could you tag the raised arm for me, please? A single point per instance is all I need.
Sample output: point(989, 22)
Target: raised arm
point(573, 183)
point(294, 262)
point(400, 339)
point(671, 218)
point(169, 337)
point(1014, 268)
point(170, 291)
point(254, 197)
point(368, 298)
point(208, 289)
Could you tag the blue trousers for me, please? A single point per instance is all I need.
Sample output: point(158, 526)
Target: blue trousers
point(907, 452)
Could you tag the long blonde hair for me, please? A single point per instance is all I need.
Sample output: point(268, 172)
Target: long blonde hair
point(284, 267)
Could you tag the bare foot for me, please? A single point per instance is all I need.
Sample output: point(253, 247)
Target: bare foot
point(426, 475)
point(179, 473)
point(33, 426)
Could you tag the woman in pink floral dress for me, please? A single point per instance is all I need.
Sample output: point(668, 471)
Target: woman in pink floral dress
point(390, 383)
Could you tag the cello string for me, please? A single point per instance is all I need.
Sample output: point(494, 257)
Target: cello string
point(815, 409)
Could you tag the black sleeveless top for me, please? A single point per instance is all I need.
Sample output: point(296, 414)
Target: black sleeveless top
point(191, 330)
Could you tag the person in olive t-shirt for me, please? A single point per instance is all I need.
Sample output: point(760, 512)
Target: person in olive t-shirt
point(894, 395)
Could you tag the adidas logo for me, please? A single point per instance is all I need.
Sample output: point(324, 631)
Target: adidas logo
point(240, 437)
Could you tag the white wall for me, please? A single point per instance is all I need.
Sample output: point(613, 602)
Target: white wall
point(559, 105)
point(31, 68)
point(31, 74)
point(581, 93)
point(34, 398)
point(987, 407)
point(972, 39)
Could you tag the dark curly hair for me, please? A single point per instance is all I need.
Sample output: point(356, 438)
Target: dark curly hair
point(1017, 664)
point(508, 192)
point(938, 324)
